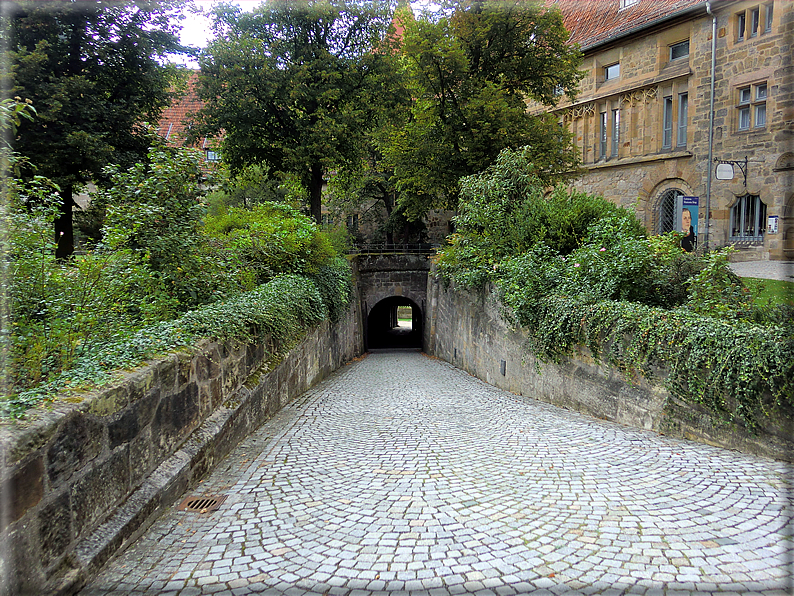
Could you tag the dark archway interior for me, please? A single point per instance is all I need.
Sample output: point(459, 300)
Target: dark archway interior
point(394, 322)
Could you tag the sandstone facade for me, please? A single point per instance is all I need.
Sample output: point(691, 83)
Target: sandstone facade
point(642, 122)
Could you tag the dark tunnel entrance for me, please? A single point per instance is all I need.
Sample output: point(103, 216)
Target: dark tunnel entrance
point(394, 322)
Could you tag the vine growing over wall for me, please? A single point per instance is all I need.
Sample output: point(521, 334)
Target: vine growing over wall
point(574, 270)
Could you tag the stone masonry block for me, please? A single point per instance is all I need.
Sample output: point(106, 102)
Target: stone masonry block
point(109, 401)
point(167, 374)
point(94, 495)
point(25, 488)
point(55, 529)
point(78, 441)
point(139, 415)
point(176, 416)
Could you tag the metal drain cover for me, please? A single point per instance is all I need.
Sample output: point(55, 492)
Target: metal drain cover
point(203, 504)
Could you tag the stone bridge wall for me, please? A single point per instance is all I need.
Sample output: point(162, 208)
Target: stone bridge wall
point(467, 330)
point(85, 477)
point(382, 276)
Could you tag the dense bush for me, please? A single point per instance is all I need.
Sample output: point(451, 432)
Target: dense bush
point(268, 239)
point(158, 277)
point(573, 270)
point(283, 308)
point(506, 211)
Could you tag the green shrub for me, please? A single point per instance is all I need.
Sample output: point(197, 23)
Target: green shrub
point(574, 270)
point(269, 239)
point(284, 308)
point(155, 211)
point(60, 309)
point(506, 211)
point(74, 321)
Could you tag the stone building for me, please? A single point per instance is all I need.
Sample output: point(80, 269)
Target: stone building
point(642, 118)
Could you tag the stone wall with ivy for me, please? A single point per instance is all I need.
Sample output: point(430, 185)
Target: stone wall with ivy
point(467, 329)
point(87, 475)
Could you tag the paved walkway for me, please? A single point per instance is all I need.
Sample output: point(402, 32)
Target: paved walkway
point(782, 270)
point(403, 475)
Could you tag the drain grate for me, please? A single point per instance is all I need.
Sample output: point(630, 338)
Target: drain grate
point(204, 504)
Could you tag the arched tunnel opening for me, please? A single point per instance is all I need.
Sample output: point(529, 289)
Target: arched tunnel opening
point(394, 322)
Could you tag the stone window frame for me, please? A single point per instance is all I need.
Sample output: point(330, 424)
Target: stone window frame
point(672, 126)
point(753, 21)
point(607, 129)
point(751, 106)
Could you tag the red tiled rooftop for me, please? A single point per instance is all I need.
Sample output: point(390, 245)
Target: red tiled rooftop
point(172, 124)
point(594, 21)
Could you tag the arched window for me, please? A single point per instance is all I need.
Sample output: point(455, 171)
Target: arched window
point(748, 219)
point(668, 210)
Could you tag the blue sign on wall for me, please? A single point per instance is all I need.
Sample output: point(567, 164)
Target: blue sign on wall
point(689, 223)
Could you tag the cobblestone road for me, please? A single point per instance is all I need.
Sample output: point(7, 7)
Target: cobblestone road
point(403, 475)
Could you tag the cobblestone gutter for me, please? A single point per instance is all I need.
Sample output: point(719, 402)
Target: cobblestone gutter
point(83, 480)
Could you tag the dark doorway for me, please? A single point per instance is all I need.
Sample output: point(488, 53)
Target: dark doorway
point(394, 322)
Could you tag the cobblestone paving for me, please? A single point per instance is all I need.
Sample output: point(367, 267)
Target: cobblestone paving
point(403, 475)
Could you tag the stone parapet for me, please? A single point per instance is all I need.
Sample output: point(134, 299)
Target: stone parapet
point(84, 477)
point(467, 330)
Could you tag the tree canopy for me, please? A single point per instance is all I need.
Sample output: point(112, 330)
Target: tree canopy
point(94, 72)
point(295, 85)
point(472, 70)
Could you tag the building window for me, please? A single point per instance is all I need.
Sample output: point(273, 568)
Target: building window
point(612, 71)
point(667, 123)
point(768, 18)
point(627, 3)
point(212, 156)
point(679, 50)
point(602, 132)
point(748, 219)
point(752, 106)
point(754, 21)
point(615, 131)
point(683, 109)
point(741, 25)
point(352, 223)
point(669, 211)
point(754, 14)
point(760, 106)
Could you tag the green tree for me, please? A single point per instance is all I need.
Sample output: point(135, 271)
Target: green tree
point(93, 70)
point(472, 69)
point(295, 85)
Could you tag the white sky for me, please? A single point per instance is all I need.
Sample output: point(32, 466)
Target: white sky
point(196, 29)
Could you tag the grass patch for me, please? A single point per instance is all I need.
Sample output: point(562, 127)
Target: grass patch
point(774, 290)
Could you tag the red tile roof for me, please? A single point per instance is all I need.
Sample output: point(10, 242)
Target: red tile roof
point(592, 22)
point(172, 126)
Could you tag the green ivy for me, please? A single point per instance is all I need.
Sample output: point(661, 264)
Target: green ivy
point(741, 371)
point(283, 308)
point(573, 270)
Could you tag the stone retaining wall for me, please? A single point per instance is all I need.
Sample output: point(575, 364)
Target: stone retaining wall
point(467, 330)
point(81, 480)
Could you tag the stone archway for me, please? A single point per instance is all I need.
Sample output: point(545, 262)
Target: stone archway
point(386, 329)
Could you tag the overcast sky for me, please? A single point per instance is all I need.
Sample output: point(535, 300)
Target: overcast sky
point(196, 29)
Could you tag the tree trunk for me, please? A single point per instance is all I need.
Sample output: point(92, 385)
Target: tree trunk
point(64, 230)
point(316, 193)
point(389, 201)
